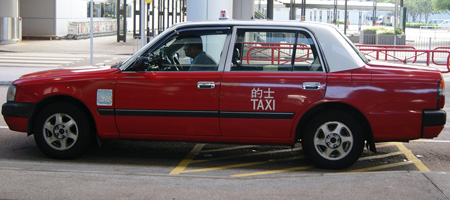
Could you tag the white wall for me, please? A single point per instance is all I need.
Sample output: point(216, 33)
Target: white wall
point(69, 11)
point(38, 17)
point(243, 9)
point(202, 10)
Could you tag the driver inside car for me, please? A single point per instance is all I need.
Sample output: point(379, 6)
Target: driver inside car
point(200, 60)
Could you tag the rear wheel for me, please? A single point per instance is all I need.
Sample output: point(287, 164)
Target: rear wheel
point(62, 130)
point(333, 140)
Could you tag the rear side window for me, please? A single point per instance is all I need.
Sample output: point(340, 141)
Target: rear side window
point(278, 50)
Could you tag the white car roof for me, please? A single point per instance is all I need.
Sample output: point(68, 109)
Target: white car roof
point(337, 51)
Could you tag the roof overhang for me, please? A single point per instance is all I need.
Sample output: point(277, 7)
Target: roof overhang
point(351, 5)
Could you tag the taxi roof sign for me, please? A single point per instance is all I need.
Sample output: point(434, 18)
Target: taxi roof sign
point(223, 15)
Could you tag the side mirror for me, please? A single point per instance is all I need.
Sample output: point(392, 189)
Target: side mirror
point(117, 65)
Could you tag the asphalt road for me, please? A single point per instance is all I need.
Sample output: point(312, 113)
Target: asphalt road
point(177, 170)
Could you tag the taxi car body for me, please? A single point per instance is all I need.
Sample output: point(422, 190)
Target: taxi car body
point(252, 82)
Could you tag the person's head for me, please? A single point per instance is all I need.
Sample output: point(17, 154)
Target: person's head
point(193, 46)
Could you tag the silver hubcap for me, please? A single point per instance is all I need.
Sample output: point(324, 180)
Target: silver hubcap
point(333, 140)
point(60, 131)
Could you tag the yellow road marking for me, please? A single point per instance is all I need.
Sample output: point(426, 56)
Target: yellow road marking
point(385, 145)
point(240, 165)
point(187, 160)
point(224, 167)
point(412, 159)
point(273, 171)
point(381, 156)
point(379, 167)
point(410, 156)
point(403, 150)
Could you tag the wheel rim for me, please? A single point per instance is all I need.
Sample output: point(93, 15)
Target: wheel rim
point(60, 131)
point(333, 140)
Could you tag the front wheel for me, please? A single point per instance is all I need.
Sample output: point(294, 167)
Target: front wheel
point(333, 140)
point(62, 131)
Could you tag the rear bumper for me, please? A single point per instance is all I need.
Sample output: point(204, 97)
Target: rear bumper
point(433, 121)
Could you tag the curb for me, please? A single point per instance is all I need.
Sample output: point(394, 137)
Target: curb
point(5, 83)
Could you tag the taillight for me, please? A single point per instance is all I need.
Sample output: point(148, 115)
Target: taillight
point(441, 94)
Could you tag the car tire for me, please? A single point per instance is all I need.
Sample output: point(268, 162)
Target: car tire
point(333, 140)
point(62, 131)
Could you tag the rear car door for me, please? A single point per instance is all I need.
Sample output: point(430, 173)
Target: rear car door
point(162, 94)
point(272, 75)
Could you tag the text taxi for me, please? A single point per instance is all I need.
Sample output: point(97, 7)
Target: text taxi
point(234, 82)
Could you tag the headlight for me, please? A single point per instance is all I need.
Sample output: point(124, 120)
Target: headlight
point(11, 95)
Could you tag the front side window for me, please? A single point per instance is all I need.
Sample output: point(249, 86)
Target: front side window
point(185, 51)
point(278, 50)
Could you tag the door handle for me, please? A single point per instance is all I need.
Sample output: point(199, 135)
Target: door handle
point(205, 85)
point(311, 85)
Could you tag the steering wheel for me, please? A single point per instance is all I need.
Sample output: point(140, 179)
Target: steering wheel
point(176, 61)
point(171, 63)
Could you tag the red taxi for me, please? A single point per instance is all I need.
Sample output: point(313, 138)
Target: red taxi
point(234, 82)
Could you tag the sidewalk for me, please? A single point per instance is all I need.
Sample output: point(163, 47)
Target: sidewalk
point(102, 45)
point(27, 51)
point(35, 184)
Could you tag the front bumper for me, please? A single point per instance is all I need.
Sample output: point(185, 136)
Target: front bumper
point(433, 121)
point(16, 115)
point(17, 109)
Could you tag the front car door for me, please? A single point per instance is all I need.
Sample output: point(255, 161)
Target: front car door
point(272, 75)
point(169, 91)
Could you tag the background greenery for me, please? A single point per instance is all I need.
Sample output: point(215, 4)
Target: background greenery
point(420, 10)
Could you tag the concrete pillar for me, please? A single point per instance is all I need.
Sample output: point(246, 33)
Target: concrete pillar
point(243, 10)
point(203, 10)
point(269, 9)
point(9, 8)
point(10, 22)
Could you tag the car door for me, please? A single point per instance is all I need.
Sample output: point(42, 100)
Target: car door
point(161, 94)
point(272, 75)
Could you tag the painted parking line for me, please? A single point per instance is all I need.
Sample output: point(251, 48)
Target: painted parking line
point(273, 171)
point(411, 157)
point(187, 160)
point(3, 126)
point(181, 168)
point(381, 156)
point(379, 167)
point(408, 159)
point(242, 165)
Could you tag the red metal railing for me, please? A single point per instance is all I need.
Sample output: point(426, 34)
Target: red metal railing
point(432, 56)
point(383, 49)
point(389, 53)
point(274, 52)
